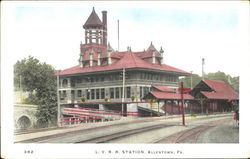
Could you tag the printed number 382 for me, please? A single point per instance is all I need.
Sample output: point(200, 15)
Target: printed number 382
point(28, 151)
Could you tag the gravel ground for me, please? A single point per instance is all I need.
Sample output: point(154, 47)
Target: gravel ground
point(226, 133)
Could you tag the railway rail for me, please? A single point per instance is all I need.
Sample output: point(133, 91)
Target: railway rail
point(186, 136)
point(63, 134)
point(191, 135)
point(108, 138)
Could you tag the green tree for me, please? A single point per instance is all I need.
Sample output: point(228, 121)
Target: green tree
point(221, 76)
point(38, 79)
point(218, 76)
point(187, 80)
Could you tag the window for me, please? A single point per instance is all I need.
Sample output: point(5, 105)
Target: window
point(167, 78)
point(92, 94)
point(145, 90)
point(97, 93)
point(79, 93)
point(64, 94)
point(121, 88)
point(65, 83)
point(111, 92)
point(102, 93)
point(150, 76)
point(102, 78)
point(60, 94)
point(97, 79)
point(111, 77)
point(175, 79)
point(88, 93)
point(73, 83)
point(116, 77)
point(141, 76)
point(78, 80)
point(161, 77)
point(128, 91)
point(73, 93)
point(87, 79)
point(91, 79)
point(117, 92)
point(157, 77)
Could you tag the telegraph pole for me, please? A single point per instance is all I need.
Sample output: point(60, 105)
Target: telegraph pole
point(118, 36)
point(123, 89)
point(58, 102)
point(182, 103)
point(203, 63)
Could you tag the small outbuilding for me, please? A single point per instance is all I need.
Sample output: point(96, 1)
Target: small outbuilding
point(215, 96)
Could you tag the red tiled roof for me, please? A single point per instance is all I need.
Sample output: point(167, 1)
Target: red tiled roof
point(149, 52)
point(164, 95)
point(93, 20)
point(220, 91)
point(164, 89)
point(128, 60)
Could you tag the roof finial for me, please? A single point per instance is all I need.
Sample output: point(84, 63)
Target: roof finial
point(161, 50)
point(93, 9)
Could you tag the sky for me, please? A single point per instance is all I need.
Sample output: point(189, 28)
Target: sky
point(187, 32)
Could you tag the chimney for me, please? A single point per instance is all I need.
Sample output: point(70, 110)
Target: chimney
point(153, 58)
point(80, 60)
point(99, 59)
point(109, 58)
point(104, 22)
point(161, 52)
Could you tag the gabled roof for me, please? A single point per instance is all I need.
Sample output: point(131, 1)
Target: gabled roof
point(128, 60)
point(93, 20)
point(220, 91)
point(164, 89)
point(165, 95)
point(149, 52)
point(151, 47)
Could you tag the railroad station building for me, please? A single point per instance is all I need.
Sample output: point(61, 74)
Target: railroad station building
point(215, 96)
point(102, 72)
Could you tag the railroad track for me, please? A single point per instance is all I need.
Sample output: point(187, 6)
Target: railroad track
point(191, 135)
point(20, 132)
point(178, 138)
point(64, 134)
point(114, 136)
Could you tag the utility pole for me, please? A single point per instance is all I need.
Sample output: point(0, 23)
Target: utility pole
point(203, 63)
point(118, 36)
point(182, 103)
point(58, 102)
point(123, 89)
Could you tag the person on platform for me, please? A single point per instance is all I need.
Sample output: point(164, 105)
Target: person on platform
point(236, 117)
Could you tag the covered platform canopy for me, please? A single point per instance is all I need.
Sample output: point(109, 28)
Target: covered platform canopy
point(171, 96)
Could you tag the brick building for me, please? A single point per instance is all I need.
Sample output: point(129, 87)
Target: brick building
point(102, 72)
